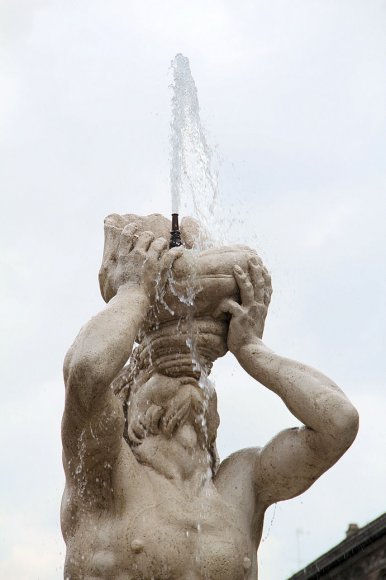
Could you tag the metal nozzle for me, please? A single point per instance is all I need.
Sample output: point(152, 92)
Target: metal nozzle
point(175, 235)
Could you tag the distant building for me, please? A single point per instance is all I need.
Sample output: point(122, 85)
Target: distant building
point(361, 556)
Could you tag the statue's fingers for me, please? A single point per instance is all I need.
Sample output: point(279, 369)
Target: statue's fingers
point(257, 279)
point(116, 220)
point(110, 251)
point(171, 256)
point(157, 248)
point(112, 237)
point(247, 293)
point(144, 240)
point(127, 239)
point(255, 260)
point(228, 306)
point(167, 261)
point(267, 287)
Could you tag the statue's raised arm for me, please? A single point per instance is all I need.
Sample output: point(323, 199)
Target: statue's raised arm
point(93, 419)
point(288, 464)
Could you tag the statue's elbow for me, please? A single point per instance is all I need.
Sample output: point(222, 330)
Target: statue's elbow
point(81, 371)
point(353, 423)
point(346, 425)
point(67, 364)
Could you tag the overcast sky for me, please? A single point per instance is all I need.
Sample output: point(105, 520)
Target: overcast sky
point(293, 97)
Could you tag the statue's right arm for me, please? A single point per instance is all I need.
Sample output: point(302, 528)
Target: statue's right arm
point(103, 346)
point(93, 419)
point(99, 352)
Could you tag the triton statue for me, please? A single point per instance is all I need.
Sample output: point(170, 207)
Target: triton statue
point(146, 496)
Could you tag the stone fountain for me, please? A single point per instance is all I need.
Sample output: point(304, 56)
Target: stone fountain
point(146, 494)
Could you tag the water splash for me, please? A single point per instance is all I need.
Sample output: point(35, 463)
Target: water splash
point(194, 190)
point(265, 538)
point(193, 180)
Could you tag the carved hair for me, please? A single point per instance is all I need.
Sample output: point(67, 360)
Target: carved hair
point(203, 411)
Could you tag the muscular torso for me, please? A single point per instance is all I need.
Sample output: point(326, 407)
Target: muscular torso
point(149, 527)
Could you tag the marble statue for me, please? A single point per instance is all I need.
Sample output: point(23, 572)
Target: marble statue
point(146, 496)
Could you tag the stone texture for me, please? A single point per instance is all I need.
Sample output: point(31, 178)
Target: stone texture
point(145, 494)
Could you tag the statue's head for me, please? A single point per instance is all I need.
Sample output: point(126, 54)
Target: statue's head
point(166, 386)
point(183, 334)
point(163, 405)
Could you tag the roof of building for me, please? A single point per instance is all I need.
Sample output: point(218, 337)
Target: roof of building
point(356, 540)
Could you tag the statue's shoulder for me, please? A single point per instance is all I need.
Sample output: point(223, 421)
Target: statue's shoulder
point(236, 475)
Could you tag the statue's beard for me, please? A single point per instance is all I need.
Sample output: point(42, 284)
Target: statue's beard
point(187, 405)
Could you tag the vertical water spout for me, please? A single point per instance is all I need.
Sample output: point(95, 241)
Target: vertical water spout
point(193, 182)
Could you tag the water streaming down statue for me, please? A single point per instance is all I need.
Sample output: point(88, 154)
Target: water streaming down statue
point(146, 496)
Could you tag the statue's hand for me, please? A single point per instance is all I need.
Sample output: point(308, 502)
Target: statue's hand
point(133, 259)
point(248, 318)
point(138, 259)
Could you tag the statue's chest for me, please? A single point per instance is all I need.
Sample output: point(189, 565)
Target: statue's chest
point(174, 544)
point(156, 544)
point(192, 539)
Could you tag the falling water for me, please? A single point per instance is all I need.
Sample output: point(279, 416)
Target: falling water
point(193, 181)
point(194, 192)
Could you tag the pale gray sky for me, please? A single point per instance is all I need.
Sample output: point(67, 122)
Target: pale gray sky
point(293, 95)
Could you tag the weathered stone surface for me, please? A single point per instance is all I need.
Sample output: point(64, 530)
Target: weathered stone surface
point(145, 495)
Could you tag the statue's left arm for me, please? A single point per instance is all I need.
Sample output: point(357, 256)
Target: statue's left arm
point(294, 458)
